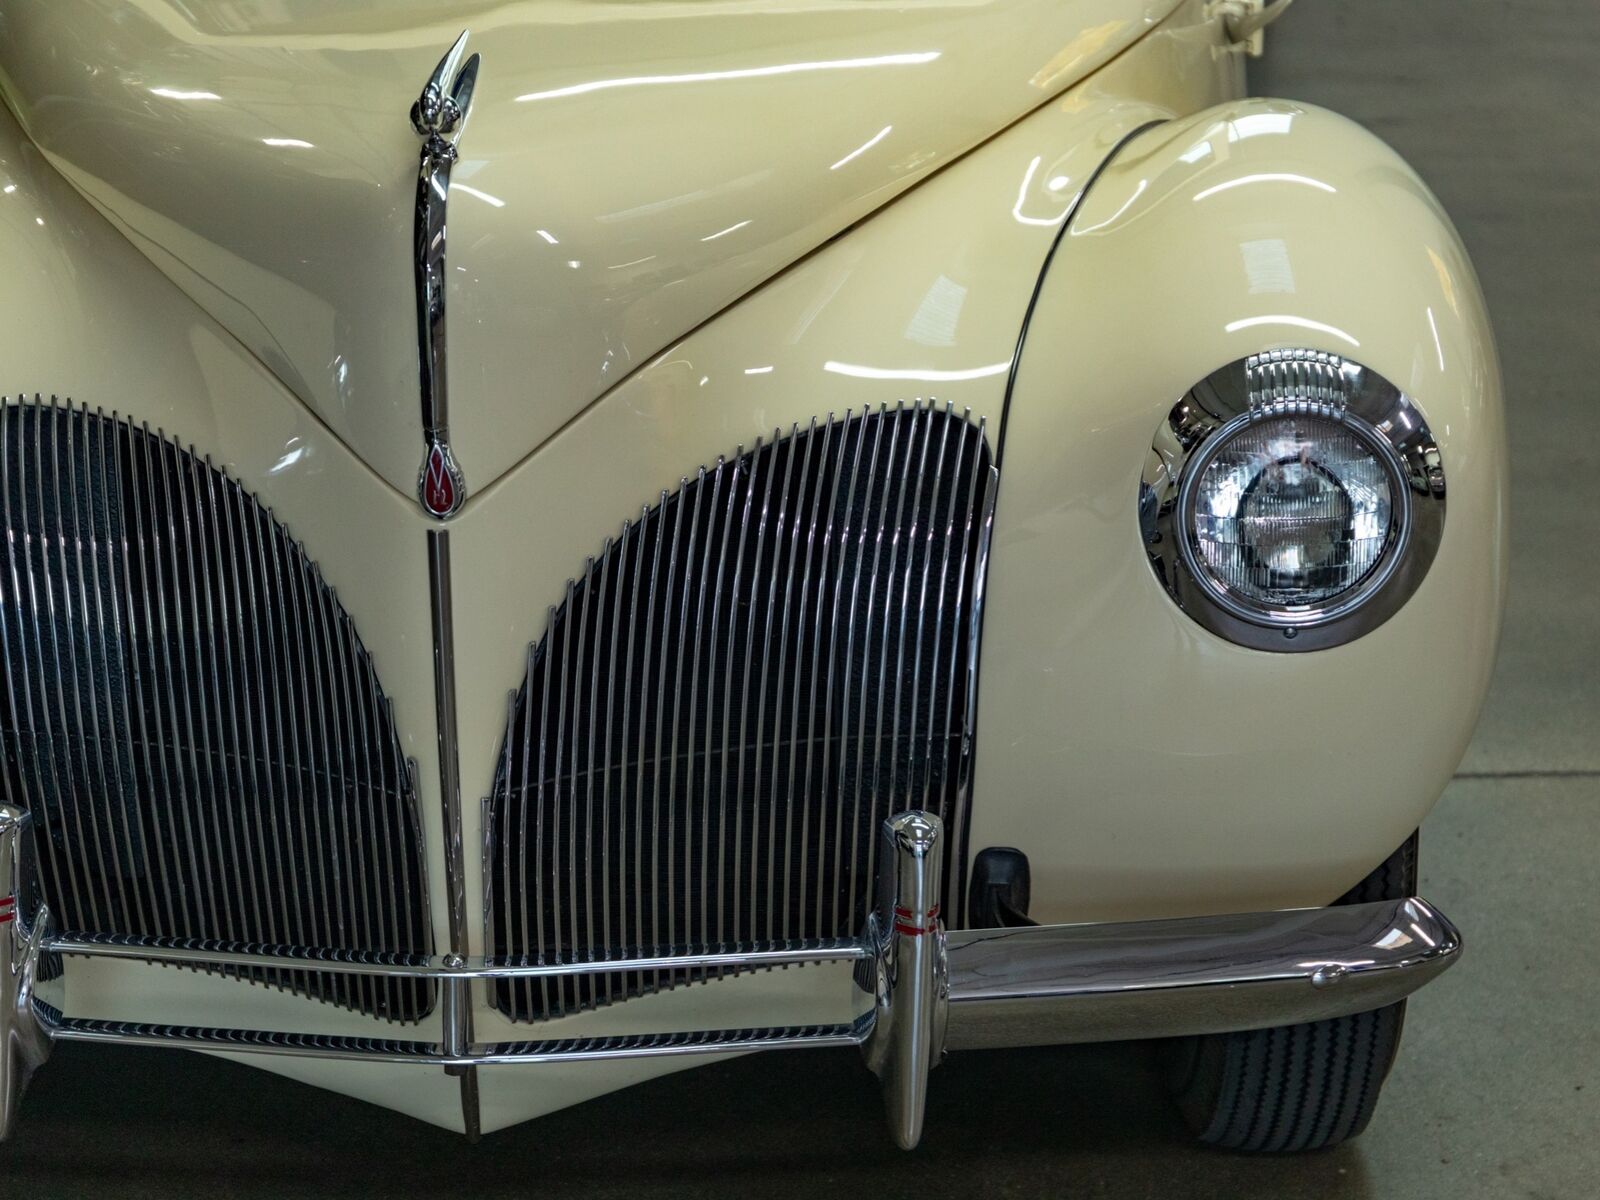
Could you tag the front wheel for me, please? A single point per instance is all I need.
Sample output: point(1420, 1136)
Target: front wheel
point(1295, 1087)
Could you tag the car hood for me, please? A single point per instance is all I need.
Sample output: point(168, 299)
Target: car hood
point(629, 169)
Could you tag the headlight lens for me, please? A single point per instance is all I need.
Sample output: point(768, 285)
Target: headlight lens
point(1292, 512)
point(1292, 500)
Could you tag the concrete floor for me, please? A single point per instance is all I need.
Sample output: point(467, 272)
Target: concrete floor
point(1495, 1091)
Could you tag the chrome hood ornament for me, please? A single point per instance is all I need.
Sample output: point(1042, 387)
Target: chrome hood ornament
point(438, 116)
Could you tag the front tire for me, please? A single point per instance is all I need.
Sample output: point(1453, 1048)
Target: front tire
point(1296, 1087)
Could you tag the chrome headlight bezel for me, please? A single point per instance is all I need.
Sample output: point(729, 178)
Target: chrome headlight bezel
point(1276, 384)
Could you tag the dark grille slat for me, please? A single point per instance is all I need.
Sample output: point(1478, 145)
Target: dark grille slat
point(658, 629)
point(106, 700)
point(189, 715)
point(964, 658)
point(766, 793)
point(226, 709)
point(740, 858)
point(948, 523)
point(270, 702)
point(785, 656)
point(733, 695)
point(72, 582)
point(930, 528)
point(248, 632)
point(610, 729)
point(846, 618)
point(126, 462)
point(630, 932)
point(713, 682)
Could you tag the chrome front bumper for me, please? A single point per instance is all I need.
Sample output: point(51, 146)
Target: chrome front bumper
point(926, 990)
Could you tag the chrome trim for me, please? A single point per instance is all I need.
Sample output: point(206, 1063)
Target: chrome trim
point(962, 815)
point(916, 990)
point(438, 115)
point(1280, 381)
point(24, 1040)
point(1270, 384)
point(670, 1045)
point(456, 996)
point(444, 966)
point(911, 986)
point(444, 694)
point(428, 1054)
point(1054, 984)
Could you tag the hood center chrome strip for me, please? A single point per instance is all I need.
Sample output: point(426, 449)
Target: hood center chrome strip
point(438, 115)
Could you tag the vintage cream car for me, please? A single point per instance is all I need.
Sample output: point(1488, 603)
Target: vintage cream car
point(477, 676)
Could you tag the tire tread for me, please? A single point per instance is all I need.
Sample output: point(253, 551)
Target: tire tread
point(1298, 1087)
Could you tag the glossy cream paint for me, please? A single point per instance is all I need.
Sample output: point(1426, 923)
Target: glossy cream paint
point(1149, 767)
point(926, 299)
point(90, 319)
point(627, 170)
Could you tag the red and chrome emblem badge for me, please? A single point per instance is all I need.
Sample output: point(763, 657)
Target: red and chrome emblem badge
point(440, 487)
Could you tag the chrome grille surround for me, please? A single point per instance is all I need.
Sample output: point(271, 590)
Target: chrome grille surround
point(190, 716)
point(732, 697)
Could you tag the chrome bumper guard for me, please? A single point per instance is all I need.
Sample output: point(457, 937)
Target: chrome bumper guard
point(931, 990)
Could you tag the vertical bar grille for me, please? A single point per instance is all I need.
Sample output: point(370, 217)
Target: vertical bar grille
point(189, 715)
point(732, 697)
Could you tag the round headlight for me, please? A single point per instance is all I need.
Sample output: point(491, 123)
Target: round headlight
point(1292, 501)
point(1290, 515)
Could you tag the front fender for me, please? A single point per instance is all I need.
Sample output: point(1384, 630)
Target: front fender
point(1151, 768)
